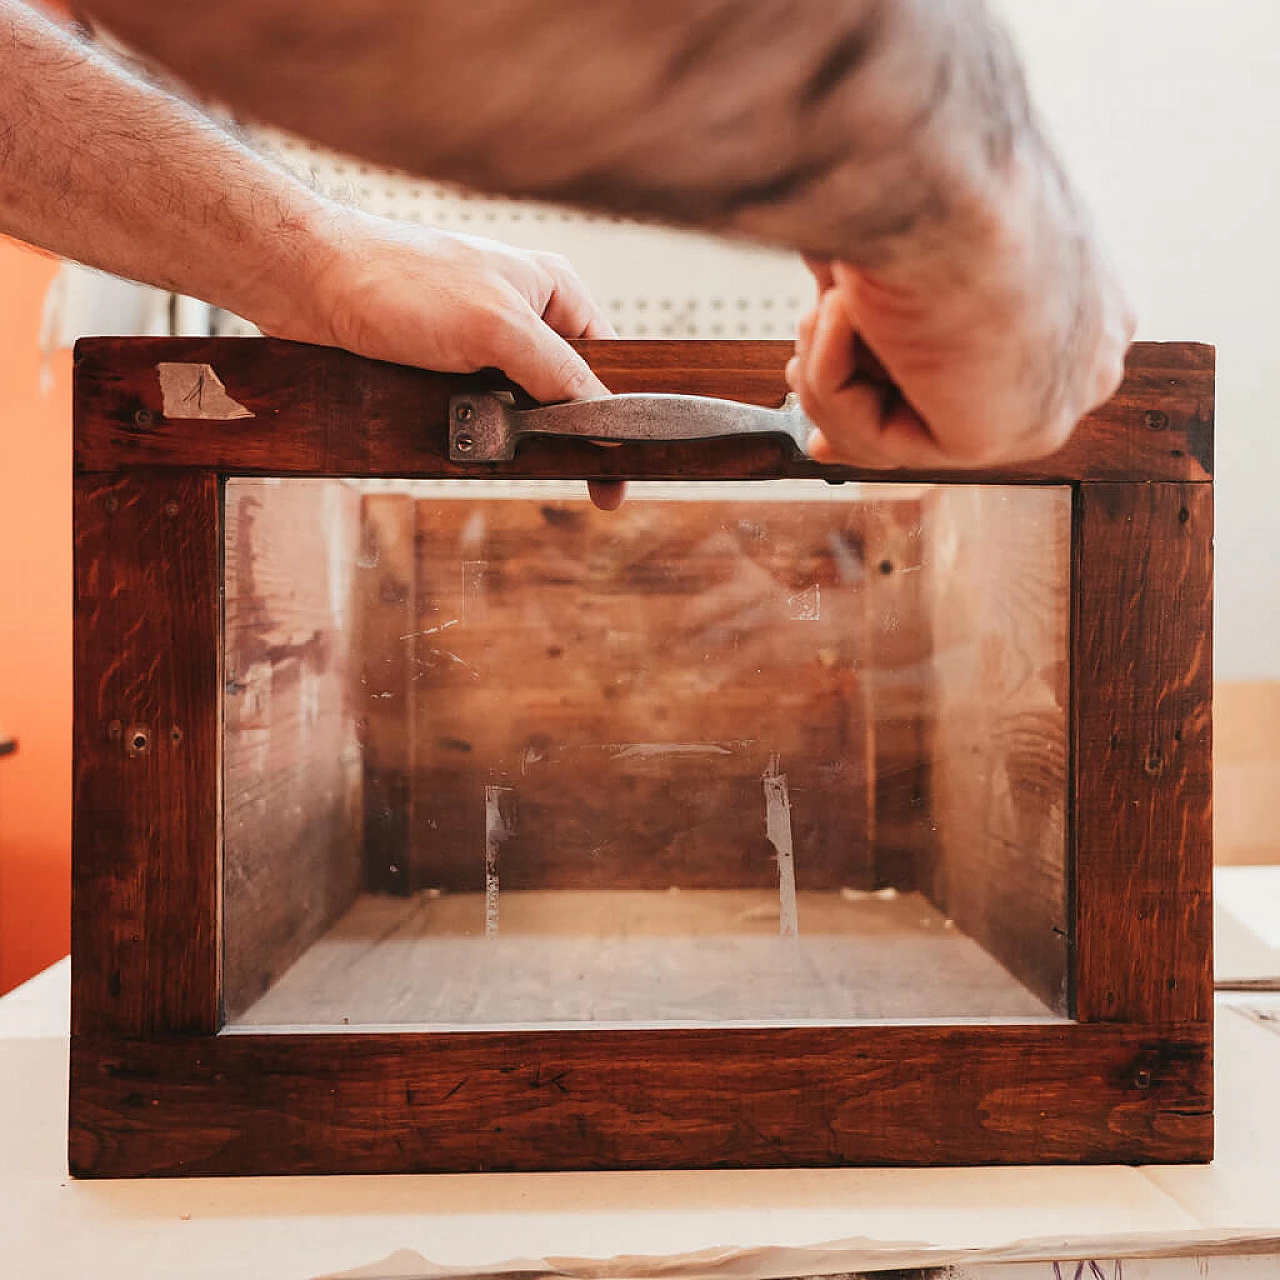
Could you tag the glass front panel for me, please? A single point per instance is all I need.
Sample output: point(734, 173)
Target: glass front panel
point(779, 752)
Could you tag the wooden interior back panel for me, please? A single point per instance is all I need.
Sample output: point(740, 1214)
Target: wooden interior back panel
point(383, 672)
point(292, 781)
point(627, 680)
point(899, 689)
point(998, 583)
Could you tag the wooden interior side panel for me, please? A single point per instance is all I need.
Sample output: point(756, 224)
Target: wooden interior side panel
point(999, 590)
point(612, 689)
point(292, 812)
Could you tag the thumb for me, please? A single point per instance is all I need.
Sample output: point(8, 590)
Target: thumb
point(545, 365)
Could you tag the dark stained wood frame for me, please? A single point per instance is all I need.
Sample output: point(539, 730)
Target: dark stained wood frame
point(157, 1087)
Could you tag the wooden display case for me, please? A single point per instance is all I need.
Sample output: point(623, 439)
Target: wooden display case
point(427, 818)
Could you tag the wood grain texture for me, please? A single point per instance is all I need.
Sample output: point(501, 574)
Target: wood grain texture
point(324, 412)
point(292, 851)
point(726, 1098)
point(1143, 670)
point(628, 677)
point(383, 691)
point(999, 591)
point(147, 765)
point(898, 689)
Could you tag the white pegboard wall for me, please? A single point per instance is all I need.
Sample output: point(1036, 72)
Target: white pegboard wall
point(652, 282)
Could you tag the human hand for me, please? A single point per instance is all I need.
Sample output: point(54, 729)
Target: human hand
point(971, 364)
point(456, 303)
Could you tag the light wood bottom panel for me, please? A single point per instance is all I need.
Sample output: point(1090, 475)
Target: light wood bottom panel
point(635, 955)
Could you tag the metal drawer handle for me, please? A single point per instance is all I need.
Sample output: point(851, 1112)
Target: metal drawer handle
point(487, 428)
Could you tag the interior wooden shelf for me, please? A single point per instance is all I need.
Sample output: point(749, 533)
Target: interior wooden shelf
point(640, 955)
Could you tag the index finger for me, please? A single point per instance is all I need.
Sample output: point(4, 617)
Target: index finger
point(571, 310)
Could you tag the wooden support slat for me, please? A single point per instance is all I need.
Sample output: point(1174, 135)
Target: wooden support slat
point(1143, 669)
point(147, 770)
point(325, 412)
point(709, 1098)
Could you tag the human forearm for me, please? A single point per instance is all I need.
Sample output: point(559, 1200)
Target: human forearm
point(891, 140)
point(97, 166)
point(845, 129)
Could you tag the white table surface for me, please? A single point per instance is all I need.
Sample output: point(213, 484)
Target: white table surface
point(1221, 1220)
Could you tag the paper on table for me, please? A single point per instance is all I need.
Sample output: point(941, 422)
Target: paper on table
point(744, 1225)
point(1246, 920)
point(41, 1007)
point(839, 1258)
